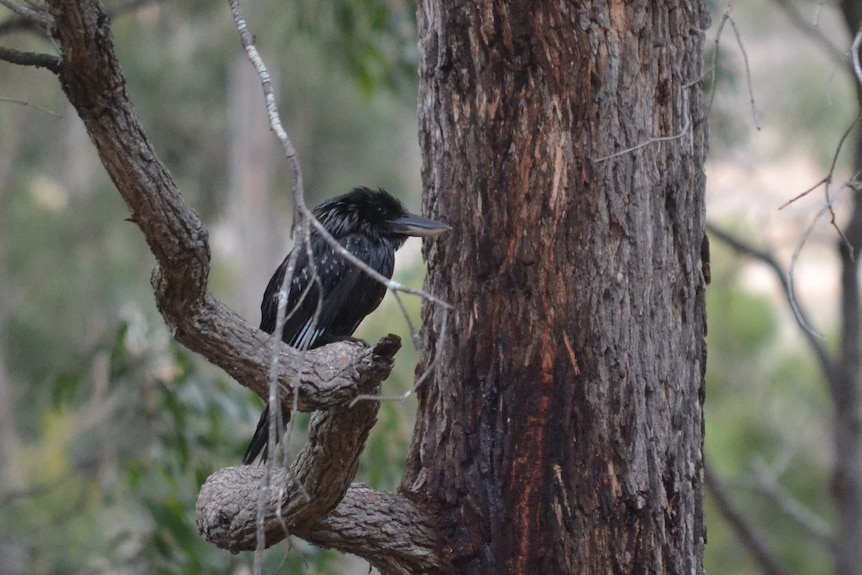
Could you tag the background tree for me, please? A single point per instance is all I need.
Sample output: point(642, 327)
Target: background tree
point(790, 475)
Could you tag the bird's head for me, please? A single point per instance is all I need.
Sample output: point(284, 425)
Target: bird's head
point(376, 214)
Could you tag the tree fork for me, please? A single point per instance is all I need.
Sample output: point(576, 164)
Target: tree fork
point(389, 531)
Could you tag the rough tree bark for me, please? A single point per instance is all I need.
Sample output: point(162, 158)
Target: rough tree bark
point(563, 428)
point(847, 431)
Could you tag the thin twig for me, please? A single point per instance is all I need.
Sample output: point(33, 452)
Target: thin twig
point(31, 105)
point(47, 61)
point(40, 19)
point(302, 218)
point(747, 71)
point(854, 53)
point(715, 51)
point(414, 333)
point(389, 283)
point(438, 352)
point(804, 193)
point(809, 29)
point(827, 208)
point(826, 362)
point(748, 533)
point(794, 260)
point(765, 482)
point(273, 403)
point(686, 123)
point(725, 17)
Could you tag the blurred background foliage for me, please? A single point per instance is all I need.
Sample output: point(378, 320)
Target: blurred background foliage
point(107, 428)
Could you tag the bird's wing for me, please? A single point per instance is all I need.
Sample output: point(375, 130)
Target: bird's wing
point(345, 296)
point(344, 293)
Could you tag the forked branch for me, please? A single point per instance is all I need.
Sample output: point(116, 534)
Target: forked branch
point(388, 530)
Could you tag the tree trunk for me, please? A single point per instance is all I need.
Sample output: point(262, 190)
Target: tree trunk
point(847, 430)
point(562, 430)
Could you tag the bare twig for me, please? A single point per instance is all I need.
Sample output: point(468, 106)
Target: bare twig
point(304, 220)
point(765, 482)
point(389, 283)
point(686, 124)
point(827, 364)
point(810, 29)
point(114, 10)
point(31, 105)
point(51, 63)
point(37, 17)
point(725, 17)
point(422, 377)
point(715, 51)
point(748, 533)
point(273, 404)
point(854, 53)
point(747, 71)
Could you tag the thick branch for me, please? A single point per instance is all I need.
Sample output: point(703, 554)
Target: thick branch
point(94, 84)
point(227, 504)
point(333, 375)
point(386, 530)
point(327, 377)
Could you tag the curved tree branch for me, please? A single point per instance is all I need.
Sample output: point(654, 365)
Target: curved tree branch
point(316, 482)
point(91, 78)
point(308, 499)
point(20, 58)
point(393, 534)
point(387, 530)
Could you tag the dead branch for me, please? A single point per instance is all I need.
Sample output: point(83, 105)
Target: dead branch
point(20, 58)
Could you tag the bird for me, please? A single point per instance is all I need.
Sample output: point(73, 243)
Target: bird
point(371, 225)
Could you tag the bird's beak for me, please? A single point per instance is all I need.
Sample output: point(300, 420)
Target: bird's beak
point(413, 225)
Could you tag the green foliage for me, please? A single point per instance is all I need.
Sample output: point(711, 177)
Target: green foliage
point(374, 42)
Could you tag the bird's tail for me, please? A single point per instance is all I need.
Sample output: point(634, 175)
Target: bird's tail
point(260, 441)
